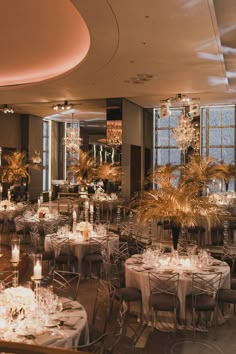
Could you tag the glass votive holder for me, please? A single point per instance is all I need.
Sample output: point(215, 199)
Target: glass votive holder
point(15, 250)
point(37, 266)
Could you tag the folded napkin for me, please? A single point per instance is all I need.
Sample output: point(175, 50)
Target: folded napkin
point(70, 320)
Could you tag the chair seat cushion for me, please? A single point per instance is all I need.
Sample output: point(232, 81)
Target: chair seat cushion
point(233, 284)
point(65, 258)
point(202, 302)
point(93, 258)
point(129, 294)
point(227, 295)
point(164, 302)
point(47, 256)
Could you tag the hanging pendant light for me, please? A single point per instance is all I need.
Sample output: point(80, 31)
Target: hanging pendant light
point(72, 140)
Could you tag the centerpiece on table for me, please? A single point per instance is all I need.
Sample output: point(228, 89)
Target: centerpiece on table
point(177, 196)
point(17, 301)
point(43, 212)
point(85, 228)
point(5, 204)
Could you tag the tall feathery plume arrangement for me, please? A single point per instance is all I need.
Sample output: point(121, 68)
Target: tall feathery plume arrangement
point(82, 169)
point(178, 196)
point(109, 171)
point(17, 167)
point(85, 170)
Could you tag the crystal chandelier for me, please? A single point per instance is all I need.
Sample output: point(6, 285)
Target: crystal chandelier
point(114, 132)
point(72, 140)
point(185, 133)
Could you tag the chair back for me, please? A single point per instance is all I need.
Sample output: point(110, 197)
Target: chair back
point(205, 284)
point(59, 245)
point(229, 257)
point(97, 245)
point(50, 227)
point(164, 283)
point(35, 240)
point(102, 306)
point(119, 326)
point(66, 283)
point(112, 275)
point(120, 254)
point(6, 279)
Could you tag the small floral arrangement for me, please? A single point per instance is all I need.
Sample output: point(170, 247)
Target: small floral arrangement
point(42, 211)
point(83, 225)
point(17, 299)
point(5, 203)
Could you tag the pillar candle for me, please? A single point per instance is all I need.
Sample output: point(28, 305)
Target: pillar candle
point(15, 254)
point(37, 270)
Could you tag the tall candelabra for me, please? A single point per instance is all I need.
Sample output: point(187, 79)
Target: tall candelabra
point(37, 275)
point(15, 260)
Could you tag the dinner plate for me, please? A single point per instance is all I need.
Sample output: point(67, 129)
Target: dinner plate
point(53, 323)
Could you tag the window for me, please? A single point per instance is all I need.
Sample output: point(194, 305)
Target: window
point(218, 133)
point(166, 149)
point(46, 155)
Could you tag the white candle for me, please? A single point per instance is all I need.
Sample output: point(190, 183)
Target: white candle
point(74, 216)
point(37, 270)
point(9, 194)
point(91, 208)
point(15, 254)
point(86, 204)
point(41, 199)
point(50, 194)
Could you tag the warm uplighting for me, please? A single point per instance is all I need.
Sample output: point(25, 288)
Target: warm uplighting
point(114, 132)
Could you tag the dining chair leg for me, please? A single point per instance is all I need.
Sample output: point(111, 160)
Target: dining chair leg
point(194, 323)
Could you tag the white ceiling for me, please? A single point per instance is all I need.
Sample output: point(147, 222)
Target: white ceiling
point(145, 51)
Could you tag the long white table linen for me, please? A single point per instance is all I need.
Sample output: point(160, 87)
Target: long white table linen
point(136, 275)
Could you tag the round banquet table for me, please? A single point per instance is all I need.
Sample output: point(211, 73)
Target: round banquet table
point(80, 248)
point(137, 276)
point(74, 330)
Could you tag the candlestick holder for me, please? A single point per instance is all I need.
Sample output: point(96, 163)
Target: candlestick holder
point(37, 274)
point(15, 279)
point(86, 214)
point(15, 259)
point(91, 218)
point(37, 285)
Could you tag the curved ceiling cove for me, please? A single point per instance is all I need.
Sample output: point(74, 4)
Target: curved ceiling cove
point(51, 39)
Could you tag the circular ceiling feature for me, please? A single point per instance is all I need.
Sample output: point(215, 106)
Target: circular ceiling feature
point(40, 40)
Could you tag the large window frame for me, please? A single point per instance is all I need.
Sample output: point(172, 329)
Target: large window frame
point(218, 133)
point(164, 141)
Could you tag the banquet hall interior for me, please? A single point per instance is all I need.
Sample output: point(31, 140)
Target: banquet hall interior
point(118, 176)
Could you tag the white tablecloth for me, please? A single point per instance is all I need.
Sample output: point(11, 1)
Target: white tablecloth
point(74, 330)
point(80, 247)
point(137, 277)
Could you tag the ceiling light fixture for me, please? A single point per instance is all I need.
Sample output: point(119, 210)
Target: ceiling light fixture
point(181, 99)
point(6, 109)
point(66, 106)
